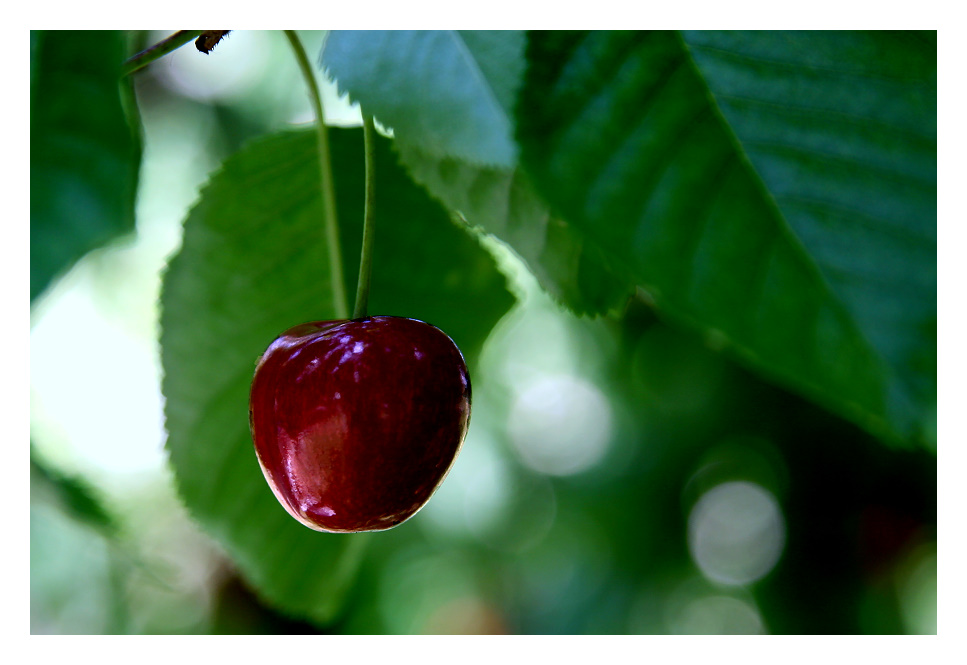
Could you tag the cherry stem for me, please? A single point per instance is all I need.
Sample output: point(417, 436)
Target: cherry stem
point(340, 305)
point(369, 224)
point(159, 50)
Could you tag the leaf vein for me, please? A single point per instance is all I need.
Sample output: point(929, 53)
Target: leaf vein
point(658, 163)
point(875, 224)
point(779, 148)
point(823, 114)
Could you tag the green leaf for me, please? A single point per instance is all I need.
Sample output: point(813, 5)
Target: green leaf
point(450, 92)
point(73, 494)
point(253, 264)
point(503, 202)
point(84, 158)
point(776, 191)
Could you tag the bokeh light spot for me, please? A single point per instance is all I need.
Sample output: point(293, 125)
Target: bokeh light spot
point(560, 425)
point(528, 344)
point(717, 615)
point(736, 533)
point(917, 587)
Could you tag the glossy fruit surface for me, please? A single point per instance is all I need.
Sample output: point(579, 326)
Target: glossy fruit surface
point(356, 423)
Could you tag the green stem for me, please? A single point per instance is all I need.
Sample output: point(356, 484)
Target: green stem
point(161, 49)
point(326, 183)
point(369, 225)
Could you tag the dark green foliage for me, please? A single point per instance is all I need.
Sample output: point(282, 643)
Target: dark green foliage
point(84, 159)
point(777, 191)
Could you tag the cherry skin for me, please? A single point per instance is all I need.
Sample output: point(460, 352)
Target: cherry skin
point(356, 423)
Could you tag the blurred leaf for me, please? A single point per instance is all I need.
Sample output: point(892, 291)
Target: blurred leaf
point(74, 585)
point(775, 190)
point(451, 92)
point(72, 494)
point(78, 567)
point(253, 264)
point(84, 158)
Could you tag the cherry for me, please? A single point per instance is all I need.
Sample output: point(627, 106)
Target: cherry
point(356, 423)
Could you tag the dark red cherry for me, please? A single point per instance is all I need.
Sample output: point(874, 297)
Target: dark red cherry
point(356, 423)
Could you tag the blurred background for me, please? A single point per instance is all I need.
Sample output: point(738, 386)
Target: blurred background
point(619, 476)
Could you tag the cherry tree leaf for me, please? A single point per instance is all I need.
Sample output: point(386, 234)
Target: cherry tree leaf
point(776, 191)
point(254, 263)
point(450, 92)
point(84, 158)
point(504, 203)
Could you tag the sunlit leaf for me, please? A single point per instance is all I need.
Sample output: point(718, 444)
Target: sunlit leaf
point(253, 264)
point(775, 190)
point(450, 92)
